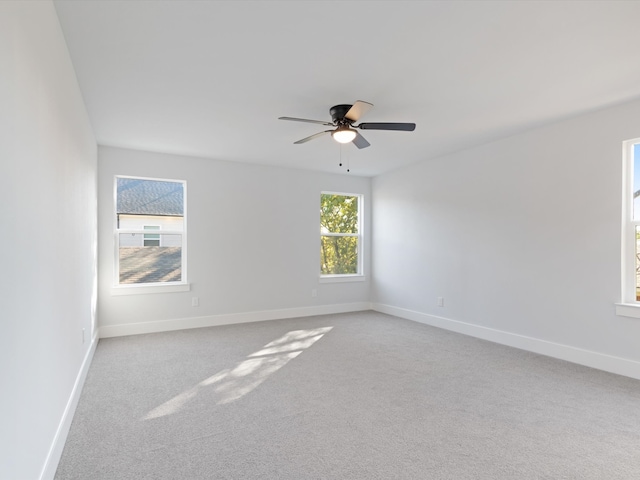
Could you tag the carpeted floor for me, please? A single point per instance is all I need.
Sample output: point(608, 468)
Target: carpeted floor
point(352, 396)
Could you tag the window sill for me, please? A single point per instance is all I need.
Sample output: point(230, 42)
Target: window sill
point(150, 288)
point(341, 278)
point(628, 310)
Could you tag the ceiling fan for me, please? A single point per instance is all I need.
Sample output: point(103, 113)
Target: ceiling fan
point(344, 118)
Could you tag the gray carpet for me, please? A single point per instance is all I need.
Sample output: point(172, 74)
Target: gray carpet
point(353, 396)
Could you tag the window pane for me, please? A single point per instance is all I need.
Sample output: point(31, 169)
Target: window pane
point(142, 263)
point(338, 255)
point(137, 196)
point(338, 213)
point(153, 206)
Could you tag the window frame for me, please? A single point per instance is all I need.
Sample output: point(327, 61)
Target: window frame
point(629, 305)
point(150, 287)
point(346, 277)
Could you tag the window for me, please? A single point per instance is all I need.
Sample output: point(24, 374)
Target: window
point(145, 205)
point(340, 234)
point(631, 225)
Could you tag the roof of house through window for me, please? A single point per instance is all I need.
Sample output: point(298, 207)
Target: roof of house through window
point(136, 196)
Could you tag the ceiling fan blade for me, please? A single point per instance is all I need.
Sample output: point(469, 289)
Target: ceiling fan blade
point(405, 127)
point(319, 122)
point(360, 141)
point(311, 137)
point(357, 110)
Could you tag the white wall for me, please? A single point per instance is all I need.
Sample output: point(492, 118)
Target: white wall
point(48, 210)
point(521, 238)
point(253, 243)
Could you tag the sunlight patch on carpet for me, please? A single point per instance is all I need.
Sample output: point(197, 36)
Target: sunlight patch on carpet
point(230, 385)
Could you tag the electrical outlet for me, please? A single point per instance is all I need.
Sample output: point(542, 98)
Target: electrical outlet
point(195, 301)
point(314, 293)
point(441, 301)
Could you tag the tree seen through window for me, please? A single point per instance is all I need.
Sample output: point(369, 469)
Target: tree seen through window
point(339, 234)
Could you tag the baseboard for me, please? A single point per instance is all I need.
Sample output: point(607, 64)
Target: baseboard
point(228, 319)
point(600, 361)
point(60, 438)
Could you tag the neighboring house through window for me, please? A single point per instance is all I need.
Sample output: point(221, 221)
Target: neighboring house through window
point(145, 205)
point(340, 235)
point(151, 239)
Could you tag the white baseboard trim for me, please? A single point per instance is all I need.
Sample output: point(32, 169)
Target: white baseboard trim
point(60, 438)
point(107, 331)
point(600, 361)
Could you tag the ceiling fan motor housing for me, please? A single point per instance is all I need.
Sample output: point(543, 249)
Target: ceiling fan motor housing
point(338, 112)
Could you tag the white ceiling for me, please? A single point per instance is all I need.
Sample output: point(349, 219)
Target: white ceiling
point(210, 78)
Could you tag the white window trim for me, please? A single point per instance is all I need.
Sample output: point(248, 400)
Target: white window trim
point(629, 306)
point(348, 277)
point(627, 310)
point(342, 278)
point(145, 288)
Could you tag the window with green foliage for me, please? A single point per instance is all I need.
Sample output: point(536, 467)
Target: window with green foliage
point(340, 234)
point(631, 222)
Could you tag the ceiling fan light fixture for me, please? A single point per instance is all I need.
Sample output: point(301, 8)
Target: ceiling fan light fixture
point(344, 135)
